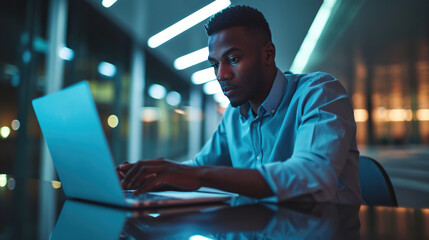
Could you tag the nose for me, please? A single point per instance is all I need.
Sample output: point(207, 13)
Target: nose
point(224, 72)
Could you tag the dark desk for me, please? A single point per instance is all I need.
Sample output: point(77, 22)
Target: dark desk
point(33, 209)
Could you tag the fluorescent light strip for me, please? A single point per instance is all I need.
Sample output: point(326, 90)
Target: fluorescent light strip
point(312, 37)
point(187, 23)
point(221, 99)
point(191, 59)
point(203, 76)
point(211, 88)
point(108, 3)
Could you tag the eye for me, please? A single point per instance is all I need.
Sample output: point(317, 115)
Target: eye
point(233, 60)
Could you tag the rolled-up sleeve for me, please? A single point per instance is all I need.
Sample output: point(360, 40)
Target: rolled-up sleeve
point(324, 133)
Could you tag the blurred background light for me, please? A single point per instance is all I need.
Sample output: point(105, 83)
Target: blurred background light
point(40, 45)
point(56, 184)
point(179, 111)
point(13, 72)
point(4, 132)
point(154, 215)
point(66, 53)
point(212, 87)
point(400, 115)
point(312, 37)
point(15, 124)
point(11, 183)
point(107, 69)
point(112, 121)
point(151, 114)
point(361, 115)
point(221, 99)
point(26, 56)
point(203, 76)
point(191, 59)
point(3, 180)
point(157, 91)
point(380, 114)
point(186, 23)
point(173, 98)
point(423, 114)
point(199, 237)
point(194, 114)
point(108, 3)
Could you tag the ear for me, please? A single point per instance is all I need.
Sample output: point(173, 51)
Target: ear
point(269, 53)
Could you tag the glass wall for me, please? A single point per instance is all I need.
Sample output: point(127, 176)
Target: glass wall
point(22, 73)
point(380, 51)
point(98, 51)
point(165, 118)
point(101, 56)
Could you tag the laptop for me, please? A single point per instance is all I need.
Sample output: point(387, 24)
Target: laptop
point(73, 132)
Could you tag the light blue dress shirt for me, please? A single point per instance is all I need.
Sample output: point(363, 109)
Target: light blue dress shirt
point(302, 141)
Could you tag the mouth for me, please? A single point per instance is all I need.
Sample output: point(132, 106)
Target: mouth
point(227, 89)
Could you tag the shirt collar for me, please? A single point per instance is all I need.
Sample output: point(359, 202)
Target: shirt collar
point(273, 99)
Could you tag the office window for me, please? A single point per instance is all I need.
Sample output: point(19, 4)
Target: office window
point(101, 55)
point(22, 77)
point(379, 50)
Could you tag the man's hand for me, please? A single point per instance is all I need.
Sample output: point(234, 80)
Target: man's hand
point(153, 175)
point(161, 174)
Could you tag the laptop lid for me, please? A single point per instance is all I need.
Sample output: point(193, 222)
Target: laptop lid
point(73, 132)
point(71, 127)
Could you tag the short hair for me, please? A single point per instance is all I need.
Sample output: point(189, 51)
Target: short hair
point(235, 16)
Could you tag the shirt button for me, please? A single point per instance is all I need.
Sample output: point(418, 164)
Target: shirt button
point(258, 157)
point(273, 110)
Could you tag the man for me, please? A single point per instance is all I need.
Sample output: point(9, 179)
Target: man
point(284, 135)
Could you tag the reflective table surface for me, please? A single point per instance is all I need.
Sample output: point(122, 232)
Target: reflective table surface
point(33, 209)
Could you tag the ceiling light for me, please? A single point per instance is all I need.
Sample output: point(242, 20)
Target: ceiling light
point(191, 59)
point(187, 23)
point(108, 3)
point(312, 37)
point(157, 91)
point(211, 88)
point(203, 76)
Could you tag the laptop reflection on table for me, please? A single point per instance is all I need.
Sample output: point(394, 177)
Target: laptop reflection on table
point(73, 132)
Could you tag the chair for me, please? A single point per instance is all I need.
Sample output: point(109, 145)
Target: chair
point(375, 184)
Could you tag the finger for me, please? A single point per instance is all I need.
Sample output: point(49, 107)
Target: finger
point(120, 174)
point(150, 185)
point(139, 174)
point(129, 176)
point(140, 178)
point(122, 169)
point(125, 166)
point(143, 174)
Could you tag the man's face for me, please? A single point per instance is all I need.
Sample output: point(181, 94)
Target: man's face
point(237, 56)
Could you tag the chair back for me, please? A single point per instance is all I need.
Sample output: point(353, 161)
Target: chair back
point(375, 184)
